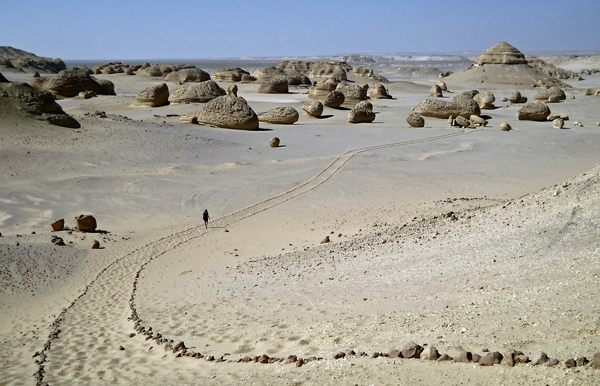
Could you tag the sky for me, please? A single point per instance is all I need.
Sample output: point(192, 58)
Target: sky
point(187, 29)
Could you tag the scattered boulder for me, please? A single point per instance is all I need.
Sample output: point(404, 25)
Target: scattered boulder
point(280, 115)
point(352, 91)
point(322, 88)
point(21, 99)
point(462, 121)
point(334, 99)
point(490, 359)
point(570, 363)
point(69, 83)
point(516, 97)
point(430, 353)
point(436, 91)
point(96, 244)
point(57, 240)
point(553, 94)
point(533, 111)
point(512, 357)
point(229, 74)
point(225, 111)
point(274, 86)
point(415, 120)
point(296, 78)
point(58, 225)
point(578, 124)
point(378, 91)
point(581, 361)
point(86, 223)
point(394, 354)
point(477, 121)
point(558, 123)
point(274, 142)
point(485, 100)
point(596, 361)
point(313, 108)
point(412, 350)
point(360, 115)
point(197, 93)
point(505, 126)
point(153, 96)
point(436, 108)
point(187, 75)
point(365, 105)
point(595, 91)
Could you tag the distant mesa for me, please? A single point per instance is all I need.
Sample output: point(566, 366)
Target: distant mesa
point(197, 93)
point(417, 71)
point(69, 83)
point(23, 61)
point(355, 58)
point(503, 64)
point(21, 100)
point(226, 111)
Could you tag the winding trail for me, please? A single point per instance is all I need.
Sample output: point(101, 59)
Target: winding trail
point(101, 318)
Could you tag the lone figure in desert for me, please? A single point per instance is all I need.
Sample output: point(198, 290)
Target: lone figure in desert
point(205, 216)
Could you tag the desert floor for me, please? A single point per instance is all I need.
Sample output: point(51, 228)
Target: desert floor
point(516, 266)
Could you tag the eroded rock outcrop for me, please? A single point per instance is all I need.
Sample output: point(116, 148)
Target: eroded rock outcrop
point(225, 111)
point(352, 91)
point(436, 108)
point(153, 96)
point(69, 83)
point(274, 86)
point(14, 58)
point(197, 93)
point(334, 99)
point(232, 74)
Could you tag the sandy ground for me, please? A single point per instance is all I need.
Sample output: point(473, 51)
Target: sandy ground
point(516, 267)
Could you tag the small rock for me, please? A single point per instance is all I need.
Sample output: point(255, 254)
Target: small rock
point(394, 354)
point(476, 358)
point(478, 121)
point(274, 142)
point(263, 359)
point(325, 240)
point(581, 361)
point(558, 123)
point(436, 91)
point(505, 126)
point(121, 348)
point(86, 223)
point(504, 99)
point(232, 90)
point(578, 124)
point(444, 358)
point(339, 355)
point(493, 358)
point(464, 357)
point(300, 362)
point(430, 354)
point(539, 359)
point(412, 350)
point(597, 123)
point(415, 120)
point(552, 362)
point(569, 363)
point(313, 108)
point(290, 359)
point(596, 361)
point(521, 358)
point(462, 121)
point(57, 240)
point(96, 244)
point(58, 225)
point(132, 335)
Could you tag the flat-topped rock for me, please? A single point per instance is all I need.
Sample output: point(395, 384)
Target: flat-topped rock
point(197, 93)
point(229, 74)
point(533, 111)
point(436, 108)
point(502, 53)
point(280, 115)
point(274, 86)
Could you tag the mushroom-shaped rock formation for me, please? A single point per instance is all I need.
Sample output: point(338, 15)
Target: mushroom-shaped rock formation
point(314, 108)
point(225, 111)
point(553, 94)
point(360, 114)
point(274, 86)
point(69, 83)
point(188, 75)
point(334, 99)
point(280, 115)
point(153, 96)
point(415, 120)
point(197, 93)
point(352, 92)
point(229, 74)
point(436, 108)
point(485, 100)
point(533, 111)
point(378, 91)
point(502, 53)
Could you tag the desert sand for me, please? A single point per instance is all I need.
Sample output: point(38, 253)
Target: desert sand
point(463, 239)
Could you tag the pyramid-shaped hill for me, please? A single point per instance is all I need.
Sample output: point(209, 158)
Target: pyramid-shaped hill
point(503, 66)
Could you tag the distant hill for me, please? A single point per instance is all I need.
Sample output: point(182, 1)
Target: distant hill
point(11, 52)
point(14, 59)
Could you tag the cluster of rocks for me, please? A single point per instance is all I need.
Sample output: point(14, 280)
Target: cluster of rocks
point(551, 95)
point(317, 69)
point(551, 70)
point(230, 74)
point(115, 68)
point(595, 91)
point(69, 83)
point(291, 76)
point(227, 111)
point(474, 121)
point(368, 73)
point(23, 100)
point(13, 58)
point(174, 72)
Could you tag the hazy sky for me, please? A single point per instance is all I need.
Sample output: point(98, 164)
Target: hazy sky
point(186, 29)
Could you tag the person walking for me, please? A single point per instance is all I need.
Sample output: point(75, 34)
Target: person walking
point(205, 216)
